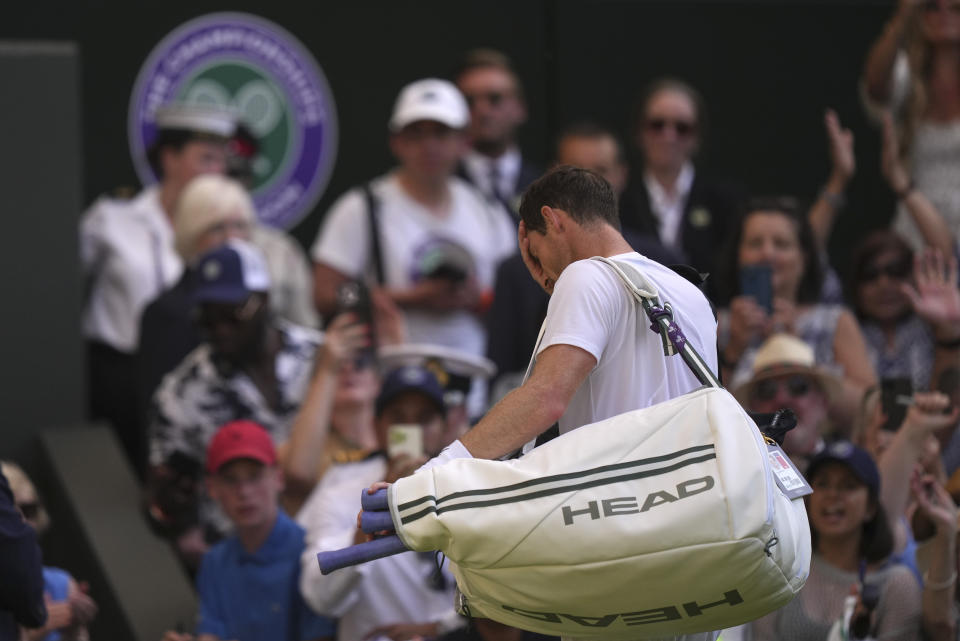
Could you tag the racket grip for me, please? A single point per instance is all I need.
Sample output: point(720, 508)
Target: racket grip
point(360, 553)
point(375, 502)
point(372, 522)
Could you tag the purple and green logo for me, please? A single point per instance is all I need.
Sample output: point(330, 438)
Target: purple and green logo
point(253, 66)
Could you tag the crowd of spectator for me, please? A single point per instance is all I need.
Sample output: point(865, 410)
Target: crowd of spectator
point(253, 430)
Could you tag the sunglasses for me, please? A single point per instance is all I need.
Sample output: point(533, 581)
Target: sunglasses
point(29, 510)
point(683, 128)
point(211, 316)
point(495, 98)
point(766, 390)
point(899, 270)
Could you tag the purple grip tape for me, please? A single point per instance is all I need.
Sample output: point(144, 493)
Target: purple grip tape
point(360, 553)
point(374, 502)
point(371, 522)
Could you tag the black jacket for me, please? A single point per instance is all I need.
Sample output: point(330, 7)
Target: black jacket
point(21, 572)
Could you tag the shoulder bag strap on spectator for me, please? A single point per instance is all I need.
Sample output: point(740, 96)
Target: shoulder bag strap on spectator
point(373, 215)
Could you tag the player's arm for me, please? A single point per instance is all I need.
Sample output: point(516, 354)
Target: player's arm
point(531, 409)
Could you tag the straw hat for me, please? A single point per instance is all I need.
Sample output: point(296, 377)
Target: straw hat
point(782, 355)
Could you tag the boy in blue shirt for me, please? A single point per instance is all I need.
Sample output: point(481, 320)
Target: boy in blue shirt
point(248, 583)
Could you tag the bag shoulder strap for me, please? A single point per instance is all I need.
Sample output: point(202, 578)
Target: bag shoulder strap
point(373, 218)
point(661, 318)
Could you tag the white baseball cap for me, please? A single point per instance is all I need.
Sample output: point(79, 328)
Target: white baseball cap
point(430, 99)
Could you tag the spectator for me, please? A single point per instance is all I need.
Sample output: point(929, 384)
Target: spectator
point(785, 375)
point(911, 71)
point(850, 542)
point(937, 515)
point(69, 608)
point(494, 163)
point(669, 199)
point(128, 257)
point(439, 240)
point(903, 307)
point(519, 303)
point(398, 597)
point(251, 366)
point(335, 421)
point(212, 210)
point(21, 573)
point(773, 232)
point(248, 582)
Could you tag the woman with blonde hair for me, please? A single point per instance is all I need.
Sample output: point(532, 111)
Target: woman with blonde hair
point(913, 72)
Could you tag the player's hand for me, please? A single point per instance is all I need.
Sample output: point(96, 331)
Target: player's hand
point(533, 265)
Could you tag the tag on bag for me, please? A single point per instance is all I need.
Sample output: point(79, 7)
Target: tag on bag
point(788, 477)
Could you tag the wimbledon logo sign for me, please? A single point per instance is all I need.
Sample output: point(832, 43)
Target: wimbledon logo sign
point(262, 72)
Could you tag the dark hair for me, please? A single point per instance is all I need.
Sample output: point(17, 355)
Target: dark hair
point(592, 130)
point(728, 271)
point(876, 537)
point(876, 243)
point(584, 195)
point(668, 84)
point(175, 139)
point(485, 58)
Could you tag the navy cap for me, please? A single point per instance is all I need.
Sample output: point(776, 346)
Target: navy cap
point(857, 459)
point(230, 273)
point(410, 379)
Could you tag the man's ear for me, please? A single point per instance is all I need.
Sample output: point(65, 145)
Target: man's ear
point(552, 217)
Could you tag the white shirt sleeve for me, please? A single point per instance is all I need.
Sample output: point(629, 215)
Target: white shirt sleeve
point(584, 309)
point(329, 518)
point(344, 239)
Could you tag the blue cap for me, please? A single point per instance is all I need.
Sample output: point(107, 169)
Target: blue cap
point(857, 459)
point(410, 379)
point(230, 273)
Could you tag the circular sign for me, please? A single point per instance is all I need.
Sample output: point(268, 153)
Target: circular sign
point(255, 67)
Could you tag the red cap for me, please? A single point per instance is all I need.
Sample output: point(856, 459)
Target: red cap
point(240, 439)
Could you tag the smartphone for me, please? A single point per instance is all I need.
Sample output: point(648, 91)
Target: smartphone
point(756, 281)
point(354, 297)
point(896, 394)
point(405, 439)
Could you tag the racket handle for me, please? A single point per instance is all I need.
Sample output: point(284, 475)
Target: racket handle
point(360, 553)
point(372, 522)
point(375, 502)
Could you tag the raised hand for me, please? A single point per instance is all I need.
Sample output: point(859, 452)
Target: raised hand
point(934, 294)
point(842, 159)
point(891, 164)
point(343, 338)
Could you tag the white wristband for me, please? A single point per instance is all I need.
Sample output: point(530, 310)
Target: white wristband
point(453, 451)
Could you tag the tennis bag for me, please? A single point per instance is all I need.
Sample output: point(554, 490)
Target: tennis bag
point(661, 521)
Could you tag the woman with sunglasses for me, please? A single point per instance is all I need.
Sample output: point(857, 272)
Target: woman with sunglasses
point(902, 305)
point(852, 591)
point(772, 277)
point(913, 71)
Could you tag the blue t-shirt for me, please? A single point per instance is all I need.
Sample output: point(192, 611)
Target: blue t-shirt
point(256, 597)
point(56, 583)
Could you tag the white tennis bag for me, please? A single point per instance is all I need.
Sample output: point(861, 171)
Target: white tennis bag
point(661, 521)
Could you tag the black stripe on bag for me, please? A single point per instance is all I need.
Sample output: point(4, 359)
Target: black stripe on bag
point(557, 490)
point(560, 477)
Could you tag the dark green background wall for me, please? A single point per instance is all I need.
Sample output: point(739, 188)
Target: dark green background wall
point(767, 68)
